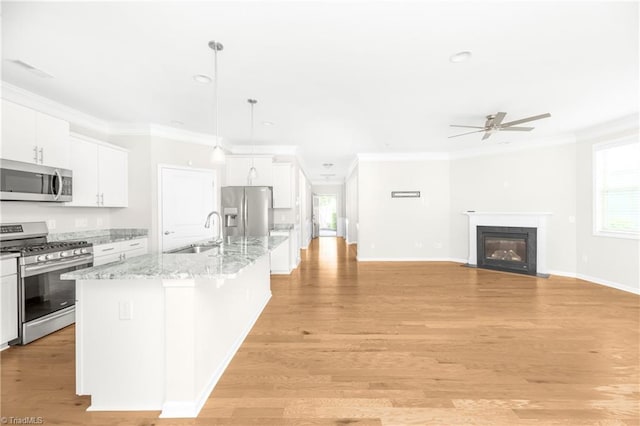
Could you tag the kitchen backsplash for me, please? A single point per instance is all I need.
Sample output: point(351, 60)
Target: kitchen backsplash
point(58, 217)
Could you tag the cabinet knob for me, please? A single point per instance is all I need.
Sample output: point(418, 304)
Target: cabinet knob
point(168, 232)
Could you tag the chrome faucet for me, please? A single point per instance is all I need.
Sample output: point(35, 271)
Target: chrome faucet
point(207, 224)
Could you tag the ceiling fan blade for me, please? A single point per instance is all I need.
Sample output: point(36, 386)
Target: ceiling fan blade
point(468, 133)
point(498, 118)
point(486, 136)
point(517, 129)
point(525, 120)
point(471, 127)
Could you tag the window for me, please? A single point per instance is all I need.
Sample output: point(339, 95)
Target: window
point(617, 189)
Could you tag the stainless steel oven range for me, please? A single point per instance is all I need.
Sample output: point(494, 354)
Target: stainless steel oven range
point(45, 302)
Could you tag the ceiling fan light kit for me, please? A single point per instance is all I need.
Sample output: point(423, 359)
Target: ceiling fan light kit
point(494, 124)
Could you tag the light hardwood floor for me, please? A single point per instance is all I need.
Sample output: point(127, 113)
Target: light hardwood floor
point(343, 342)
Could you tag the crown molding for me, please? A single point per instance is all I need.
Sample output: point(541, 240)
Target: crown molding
point(265, 149)
point(326, 182)
point(351, 168)
point(50, 107)
point(402, 156)
point(484, 150)
point(627, 124)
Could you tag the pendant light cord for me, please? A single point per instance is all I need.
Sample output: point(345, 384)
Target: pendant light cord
point(252, 145)
point(215, 87)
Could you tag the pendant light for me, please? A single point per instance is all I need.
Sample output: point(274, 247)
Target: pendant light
point(217, 155)
point(253, 173)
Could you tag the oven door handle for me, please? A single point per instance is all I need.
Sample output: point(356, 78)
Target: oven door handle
point(39, 269)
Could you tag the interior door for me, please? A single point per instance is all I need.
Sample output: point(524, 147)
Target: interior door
point(187, 197)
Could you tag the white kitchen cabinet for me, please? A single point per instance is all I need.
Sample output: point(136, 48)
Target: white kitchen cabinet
point(282, 186)
point(100, 174)
point(120, 250)
point(286, 257)
point(280, 255)
point(8, 301)
point(237, 170)
point(294, 249)
point(33, 137)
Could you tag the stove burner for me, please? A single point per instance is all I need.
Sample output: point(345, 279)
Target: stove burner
point(41, 248)
point(53, 246)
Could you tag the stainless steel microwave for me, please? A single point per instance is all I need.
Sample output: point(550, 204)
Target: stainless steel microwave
point(21, 181)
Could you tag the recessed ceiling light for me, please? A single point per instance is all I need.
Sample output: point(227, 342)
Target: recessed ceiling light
point(460, 56)
point(268, 123)
point(327, 165)
point(177, 123)
point(201, 78)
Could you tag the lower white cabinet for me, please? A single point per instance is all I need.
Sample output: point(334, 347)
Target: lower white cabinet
point(121, 250)
point(9, 301)
point(286, 257)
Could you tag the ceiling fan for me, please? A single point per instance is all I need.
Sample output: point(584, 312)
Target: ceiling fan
point(494, 124)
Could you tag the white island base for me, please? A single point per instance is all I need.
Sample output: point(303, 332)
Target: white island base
point(162, 344)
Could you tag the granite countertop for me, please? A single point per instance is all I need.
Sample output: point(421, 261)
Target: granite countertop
point(235, 254)
point(101, 236)
point(282, 226)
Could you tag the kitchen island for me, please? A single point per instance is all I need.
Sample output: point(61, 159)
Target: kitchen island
point(156, 332)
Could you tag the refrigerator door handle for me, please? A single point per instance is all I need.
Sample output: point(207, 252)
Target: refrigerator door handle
point(245, 212)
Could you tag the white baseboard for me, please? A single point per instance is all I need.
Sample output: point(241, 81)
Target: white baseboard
point(409, 259)
point(563, 274)
point(594, 280)
point(608, 283)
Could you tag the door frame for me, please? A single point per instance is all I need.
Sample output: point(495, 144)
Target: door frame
point(161, 167)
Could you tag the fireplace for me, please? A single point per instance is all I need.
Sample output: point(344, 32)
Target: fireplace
point(507, 248)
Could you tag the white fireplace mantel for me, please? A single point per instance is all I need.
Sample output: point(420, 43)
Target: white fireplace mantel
point(536, 220)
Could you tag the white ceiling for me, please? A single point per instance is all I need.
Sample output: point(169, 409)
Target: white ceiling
point(336, 78)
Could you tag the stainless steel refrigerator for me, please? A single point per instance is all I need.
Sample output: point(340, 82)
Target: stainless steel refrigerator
point(247, 211)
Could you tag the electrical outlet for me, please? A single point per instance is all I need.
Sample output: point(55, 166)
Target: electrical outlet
point(81, 222)
point(585, 258)
point(572, 219)
point(51, 224)
point(438, 245)
point(418, 244)
point(99, 222)
point(126, 310)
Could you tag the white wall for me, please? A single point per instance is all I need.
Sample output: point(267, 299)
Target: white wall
point(605, 260)
point(403, 228)
point(146, 154)
point(533, 180)
point(338, 191)
point(351, 206)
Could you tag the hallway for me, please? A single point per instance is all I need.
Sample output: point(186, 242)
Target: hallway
point(404, 343)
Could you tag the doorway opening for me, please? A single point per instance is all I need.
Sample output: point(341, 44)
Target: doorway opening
point(327, 215)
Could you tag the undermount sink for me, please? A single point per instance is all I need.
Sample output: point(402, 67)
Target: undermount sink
point(196, 248)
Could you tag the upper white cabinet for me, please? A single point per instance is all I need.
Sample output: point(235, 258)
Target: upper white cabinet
point(34, 137)
point(100, 174)
point(237, 171)
point(282, 186)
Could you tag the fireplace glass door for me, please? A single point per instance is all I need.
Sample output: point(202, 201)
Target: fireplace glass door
point(505, 248)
